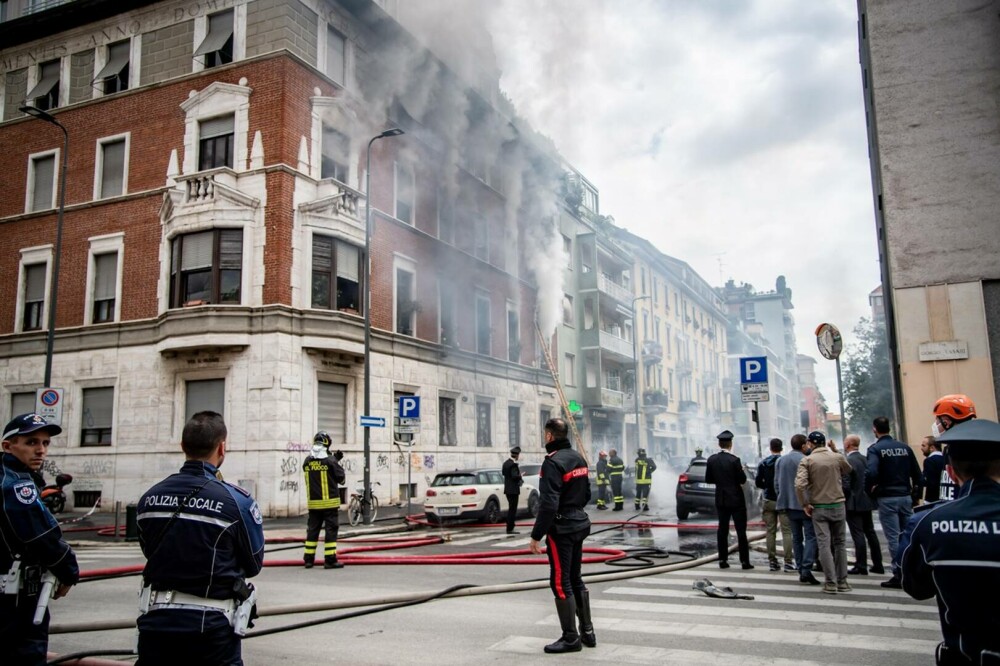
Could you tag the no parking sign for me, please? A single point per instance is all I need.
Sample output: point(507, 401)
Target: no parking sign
point(49, 404)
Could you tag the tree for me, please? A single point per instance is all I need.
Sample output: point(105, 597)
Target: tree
point(866, 377)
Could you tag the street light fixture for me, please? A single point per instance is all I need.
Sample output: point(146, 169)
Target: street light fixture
point(54, 287)
point(635, 370)
point(366, 505)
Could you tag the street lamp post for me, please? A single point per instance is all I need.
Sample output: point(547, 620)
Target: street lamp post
point(366, 505)
point(54, 286)
point(635, 370)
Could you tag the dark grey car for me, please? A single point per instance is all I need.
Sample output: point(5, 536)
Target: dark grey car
point(696, 496)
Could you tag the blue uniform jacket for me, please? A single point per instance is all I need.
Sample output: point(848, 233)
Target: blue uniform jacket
point(893, 470)
point(953, 552)
point(28, 529)
point(216, 540)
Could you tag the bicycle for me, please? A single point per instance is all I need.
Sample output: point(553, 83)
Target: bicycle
point(355, 508)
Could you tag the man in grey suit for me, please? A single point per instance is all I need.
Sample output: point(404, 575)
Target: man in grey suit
point(859, 513)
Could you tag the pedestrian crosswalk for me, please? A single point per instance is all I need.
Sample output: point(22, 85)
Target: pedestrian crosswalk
point(103, 555)
point(661, 620)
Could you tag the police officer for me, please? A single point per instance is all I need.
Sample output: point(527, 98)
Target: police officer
point(564, 491)
point(955, 547)
point(616, 473)
point(893, 477)
point(31, 543)
point(512, 486)
point(202, 539)
point(324, 475)
point(603, 481)
point(644, 468)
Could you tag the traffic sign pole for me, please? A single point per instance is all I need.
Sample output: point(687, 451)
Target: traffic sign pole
point(756, 411)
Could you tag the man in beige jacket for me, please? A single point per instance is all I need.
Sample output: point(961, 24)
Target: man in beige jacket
point(819, 488)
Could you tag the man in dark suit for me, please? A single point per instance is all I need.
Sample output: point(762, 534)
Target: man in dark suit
point(512, 486)
point(859, 513)
point(930, 478)
point(726, 471)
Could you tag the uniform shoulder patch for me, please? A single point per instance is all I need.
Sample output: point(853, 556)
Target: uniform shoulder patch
point(255, 514)
point(26, 492)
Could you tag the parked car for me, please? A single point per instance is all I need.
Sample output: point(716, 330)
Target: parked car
point(628, 481)
point(696, 496)
point(475, 494)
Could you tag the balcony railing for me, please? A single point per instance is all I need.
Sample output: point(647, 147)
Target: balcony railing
point(612, 398)
point(614, 290)
point(617, 345)
point(655, 398)
point(652, 352)
point(684, 367)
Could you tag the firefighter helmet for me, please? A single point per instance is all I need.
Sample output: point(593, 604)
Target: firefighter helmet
point(323, 439)
point(956, 406)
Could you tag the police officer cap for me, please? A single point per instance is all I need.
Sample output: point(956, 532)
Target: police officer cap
point(516, 450)
point(725, 434)
point(978, 439)
point(817, 438)
point(28, 423)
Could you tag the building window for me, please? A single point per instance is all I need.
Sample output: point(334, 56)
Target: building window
point(215, 143)
point(446, 218)
point(514, 425)
point(206, 267)
point(217, 47)
point(335, 275)
point(447, 422)
point(481, 230)
point(543, 417)
point(484, 423)
point(569, 365)
point(336, 154)
point(331, 411)
point(446, 313)
point(513, 336)
point(656, 290)
point(406, 305)
point(204, 395)
point(112, 164)
point(613, 380)
point(336, 56)
point(22, 403)
point(404, 193)
point(98, 416)
point(567, 310)
point(42, 182)
point(45, 94)
point(105, 287)
point(483, 324)
point(3, 17)
point(749, 312)
point(34, 297)
point(113, 77)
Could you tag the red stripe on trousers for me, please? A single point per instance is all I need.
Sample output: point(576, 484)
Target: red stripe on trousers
point(557, 568)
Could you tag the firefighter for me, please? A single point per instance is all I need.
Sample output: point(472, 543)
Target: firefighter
point(955, 546)
point(644, 468)
point(202, 538)
point(602, 480)
point(30, 542)
point(949, 411)
point(323, 477)
point(616, 473)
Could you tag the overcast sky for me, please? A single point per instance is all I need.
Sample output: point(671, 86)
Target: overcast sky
point(731, 134)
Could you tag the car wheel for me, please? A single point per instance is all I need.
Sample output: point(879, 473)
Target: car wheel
point(533, 505)
point(683, 512)
point(432, 519)
point(491, 513)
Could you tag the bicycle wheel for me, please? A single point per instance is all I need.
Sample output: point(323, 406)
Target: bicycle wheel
point(374, 508)
point(354, 511)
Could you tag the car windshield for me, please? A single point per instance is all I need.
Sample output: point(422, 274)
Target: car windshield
point(454, 480)
point(697, 471)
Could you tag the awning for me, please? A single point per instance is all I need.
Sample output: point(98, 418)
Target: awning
point(116, 63)
point(217, 37)
point(44, 86)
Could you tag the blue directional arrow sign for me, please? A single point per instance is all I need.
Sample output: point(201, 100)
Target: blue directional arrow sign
point(372, 422)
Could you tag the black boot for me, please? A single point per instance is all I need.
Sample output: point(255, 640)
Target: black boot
point(570, 640)
point(587, 636)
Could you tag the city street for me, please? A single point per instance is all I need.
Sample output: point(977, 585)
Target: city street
point(639, 619)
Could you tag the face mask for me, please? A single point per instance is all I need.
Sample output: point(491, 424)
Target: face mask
point(936, 428)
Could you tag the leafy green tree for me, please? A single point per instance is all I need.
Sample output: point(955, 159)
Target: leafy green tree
point(867, 382)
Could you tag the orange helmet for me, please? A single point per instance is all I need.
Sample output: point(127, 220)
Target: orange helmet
point(603, 453)
point(956, 405)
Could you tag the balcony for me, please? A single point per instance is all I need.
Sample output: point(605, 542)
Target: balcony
point(688, 407)
point(652, 352)
point(684, 367)
point(618, 349)
point(606, 286)
point(603, 398)
point(655, 401)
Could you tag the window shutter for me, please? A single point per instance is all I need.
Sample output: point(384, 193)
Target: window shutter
point(231, 249)
point(335, 62)
point(106, 268)
point(322, 253)
point(217, 126)
point(41, 197)
point(332, 406)
point(98, 407)
point(205, 395)
point(196, 250)
point(113, 168)
point(347, 261)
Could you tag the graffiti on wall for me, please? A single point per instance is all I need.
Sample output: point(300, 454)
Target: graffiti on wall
point(287, 485)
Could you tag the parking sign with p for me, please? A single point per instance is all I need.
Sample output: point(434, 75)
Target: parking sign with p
point(753, 370)
point(409, 407)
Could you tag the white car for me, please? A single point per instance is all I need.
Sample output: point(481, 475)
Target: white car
point(475, 494)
